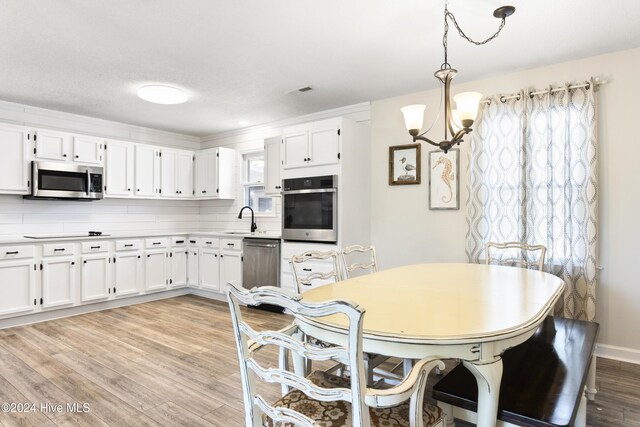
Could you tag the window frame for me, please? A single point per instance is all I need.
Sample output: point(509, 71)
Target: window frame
point(246, 184)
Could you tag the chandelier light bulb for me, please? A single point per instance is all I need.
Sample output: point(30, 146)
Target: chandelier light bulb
point(468, 104)
point(413, 117)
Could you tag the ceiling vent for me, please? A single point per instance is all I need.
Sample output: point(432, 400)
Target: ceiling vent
point(300, 90)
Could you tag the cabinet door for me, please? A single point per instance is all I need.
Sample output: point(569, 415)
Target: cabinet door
point(205, 183)
point(323, 146)
point(155, 273)
point(192, 266)
point(51, 145)
point(87, 150)
point(230, 268)
point(295, 150)
point(209, 269)
point(169, 161)
point(178, 268)
point(95, 277)
point(185, 175)
point(14, 161)
point(119, 169)
point(58, 281)
point(17, 287)
point(226, 163)
point(128, 272)
point(146, 168)
point(272, 182)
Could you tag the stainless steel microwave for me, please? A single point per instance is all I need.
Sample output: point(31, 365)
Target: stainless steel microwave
point(310, 209)
point(57, 180)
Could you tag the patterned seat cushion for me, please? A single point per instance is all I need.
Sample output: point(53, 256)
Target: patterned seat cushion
point(333, 414)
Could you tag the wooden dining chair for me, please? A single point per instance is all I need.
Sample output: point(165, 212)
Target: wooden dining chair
point(313, 267)
point(359, 259)
point(516, 254)
point(321, 399)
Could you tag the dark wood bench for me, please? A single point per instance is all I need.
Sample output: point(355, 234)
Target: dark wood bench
point(543, 379)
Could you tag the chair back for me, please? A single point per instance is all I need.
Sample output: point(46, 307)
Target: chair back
point(516, 254)
point(289, 339)
point(356, 257)
point(315, 266)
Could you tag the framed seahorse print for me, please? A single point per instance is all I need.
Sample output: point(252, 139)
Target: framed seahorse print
point(444, 179)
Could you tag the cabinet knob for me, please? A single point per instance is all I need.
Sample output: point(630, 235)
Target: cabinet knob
point(128, 189)
point(137, 189)
point(64, 155)
point(77, 156)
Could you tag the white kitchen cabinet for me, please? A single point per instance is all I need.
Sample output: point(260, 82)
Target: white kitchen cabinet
point(193, 266)
point(312, 144)
point(96, 275)
point(177, 173)
point(209, 269)
point(178, 259)
point(272, 182)
point(51, 145)
point(14, 161)
point(58, 281)
point(128, 273)
point(17, 286)
point(147, 167)
point(87, 150)
point(215, 174)
point(230, 268)
point(155, 270)
point(119, 169)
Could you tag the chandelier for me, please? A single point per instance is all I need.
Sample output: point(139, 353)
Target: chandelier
point(458, 122)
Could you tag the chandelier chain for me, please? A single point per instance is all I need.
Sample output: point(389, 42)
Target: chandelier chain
point(448, 15)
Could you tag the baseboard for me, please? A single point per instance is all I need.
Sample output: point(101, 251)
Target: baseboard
point(29, 319)
point(208, 294)
point(623, 354)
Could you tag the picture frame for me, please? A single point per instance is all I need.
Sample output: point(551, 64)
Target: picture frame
point(404, 164)
point(444, 180)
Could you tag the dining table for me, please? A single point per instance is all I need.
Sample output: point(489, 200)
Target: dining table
point(470, 312)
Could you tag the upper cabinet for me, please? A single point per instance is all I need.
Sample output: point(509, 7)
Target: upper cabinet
point(272, 184)
point(312, 144)
point(176, 173)
point(87, 150)
point(14, 161)
point(52, 145)
point(215, 173)
point(147, 171)
point(119, 169)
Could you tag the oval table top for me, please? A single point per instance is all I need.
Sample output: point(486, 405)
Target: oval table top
point(455, 303)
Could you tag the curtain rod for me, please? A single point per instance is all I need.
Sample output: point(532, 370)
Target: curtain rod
point(503, 98)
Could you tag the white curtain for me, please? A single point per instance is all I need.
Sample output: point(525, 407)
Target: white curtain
point(533, 179)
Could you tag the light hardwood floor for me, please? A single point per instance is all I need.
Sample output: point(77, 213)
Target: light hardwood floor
point(173, 363)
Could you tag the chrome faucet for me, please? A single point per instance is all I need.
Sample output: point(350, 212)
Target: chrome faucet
point(254, 227)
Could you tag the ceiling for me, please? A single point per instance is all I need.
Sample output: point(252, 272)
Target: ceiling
point(237, 59)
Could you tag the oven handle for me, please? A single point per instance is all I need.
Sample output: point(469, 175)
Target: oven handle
point(319, 190)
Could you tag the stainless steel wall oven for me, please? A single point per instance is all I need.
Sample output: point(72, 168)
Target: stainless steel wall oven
point(310, 209)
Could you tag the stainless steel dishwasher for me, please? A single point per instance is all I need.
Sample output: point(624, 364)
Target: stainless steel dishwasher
point(261, 266)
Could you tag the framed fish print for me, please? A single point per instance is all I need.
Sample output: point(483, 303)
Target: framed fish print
point(404, 164)
point(444, 179)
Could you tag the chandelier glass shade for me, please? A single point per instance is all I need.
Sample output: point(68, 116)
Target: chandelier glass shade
point(458, 121)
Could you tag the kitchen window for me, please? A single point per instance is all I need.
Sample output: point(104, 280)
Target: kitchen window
point(253, 184)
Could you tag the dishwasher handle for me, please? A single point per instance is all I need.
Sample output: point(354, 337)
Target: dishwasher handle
point(268, 245)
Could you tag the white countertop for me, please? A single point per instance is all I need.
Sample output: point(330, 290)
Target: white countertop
point(142, 234)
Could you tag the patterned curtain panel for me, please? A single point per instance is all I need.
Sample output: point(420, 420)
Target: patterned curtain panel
point(533, 179)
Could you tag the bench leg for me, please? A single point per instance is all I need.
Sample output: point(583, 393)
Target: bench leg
point(591, 380)
point(488, 376)
point(581, 416)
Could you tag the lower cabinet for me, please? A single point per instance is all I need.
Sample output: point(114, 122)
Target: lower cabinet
point(17, 286)
point(209, 269)
point(58, 281)
point(230, 268)
point(193, 267)
point(178, 259)
point(128, 273)
point(96, 284)
point(155, 273)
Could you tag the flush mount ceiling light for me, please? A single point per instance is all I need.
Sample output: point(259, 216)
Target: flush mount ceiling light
point(161, 94)
point(459, 121)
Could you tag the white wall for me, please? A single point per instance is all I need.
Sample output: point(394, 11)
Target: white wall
point(406, 231)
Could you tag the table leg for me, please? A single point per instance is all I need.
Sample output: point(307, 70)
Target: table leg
point(488, 376)
point(591, 379)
